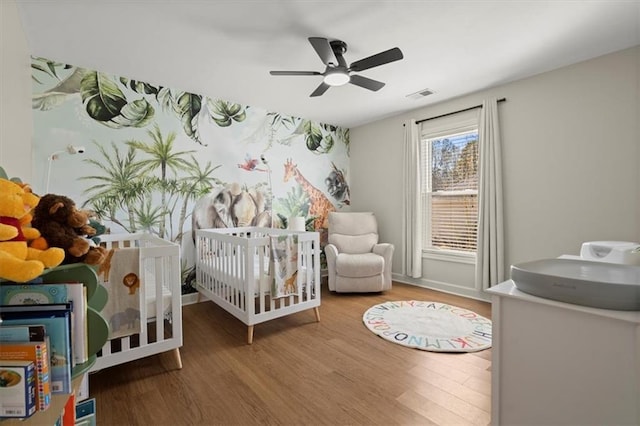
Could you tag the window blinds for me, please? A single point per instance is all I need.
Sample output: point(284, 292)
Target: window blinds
point(450, 191)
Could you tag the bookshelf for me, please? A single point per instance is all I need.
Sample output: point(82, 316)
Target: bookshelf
point(51, 414)
point(98, 332)
point(96, 299)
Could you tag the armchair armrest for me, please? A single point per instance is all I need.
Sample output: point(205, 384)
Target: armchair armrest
point(385, 250)
point(331, 253)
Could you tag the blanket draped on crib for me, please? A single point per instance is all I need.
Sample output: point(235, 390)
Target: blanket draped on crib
point(284, 255)
point(122, 279)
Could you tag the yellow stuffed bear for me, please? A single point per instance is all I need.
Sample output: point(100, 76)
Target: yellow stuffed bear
point(18, 262)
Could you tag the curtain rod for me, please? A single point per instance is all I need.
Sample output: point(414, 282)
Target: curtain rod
point(455, 112)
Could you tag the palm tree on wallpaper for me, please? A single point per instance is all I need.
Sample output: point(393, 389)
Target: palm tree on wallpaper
point(148, 216)
point(131, 185)
point(119, 187)
point(161, 156)
point(198, 182)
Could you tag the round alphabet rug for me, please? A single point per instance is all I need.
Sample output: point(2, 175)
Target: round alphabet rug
point(429, 326)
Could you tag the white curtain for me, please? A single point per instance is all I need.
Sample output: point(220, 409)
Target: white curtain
point(490, 254)
point(412, 218)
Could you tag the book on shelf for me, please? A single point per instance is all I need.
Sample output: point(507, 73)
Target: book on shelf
point(17, 388)
point(22, 333)
point(86, 413)
point(21, 294)
point(28, 333)
point(68, 416)
point(36, 352)
point(57, 320)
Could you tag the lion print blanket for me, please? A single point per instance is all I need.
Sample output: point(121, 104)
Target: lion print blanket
point(122, 279)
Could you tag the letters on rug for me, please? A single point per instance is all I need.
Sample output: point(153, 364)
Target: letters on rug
point(429, 326)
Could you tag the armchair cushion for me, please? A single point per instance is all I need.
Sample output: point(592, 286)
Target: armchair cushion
point(359, 265)
point(354, 243)
point(352, 223)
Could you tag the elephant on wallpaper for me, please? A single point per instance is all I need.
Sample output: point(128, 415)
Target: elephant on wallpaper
point(229, 207)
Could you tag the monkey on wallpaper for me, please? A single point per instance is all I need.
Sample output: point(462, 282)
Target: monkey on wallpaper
point(337, 185)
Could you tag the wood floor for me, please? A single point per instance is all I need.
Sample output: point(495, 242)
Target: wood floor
point(300, 372)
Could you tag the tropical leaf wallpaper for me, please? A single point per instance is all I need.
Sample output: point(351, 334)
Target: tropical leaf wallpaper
point(157, 159)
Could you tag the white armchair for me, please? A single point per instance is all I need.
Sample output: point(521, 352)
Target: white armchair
point(356, 262)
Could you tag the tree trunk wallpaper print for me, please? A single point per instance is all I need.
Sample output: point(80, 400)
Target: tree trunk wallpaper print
point(148, 158)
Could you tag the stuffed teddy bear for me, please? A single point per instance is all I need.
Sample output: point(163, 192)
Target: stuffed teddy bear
point(18, 261)
point(63, 225)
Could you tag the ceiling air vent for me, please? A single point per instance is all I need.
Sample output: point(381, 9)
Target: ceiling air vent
point(421, 94)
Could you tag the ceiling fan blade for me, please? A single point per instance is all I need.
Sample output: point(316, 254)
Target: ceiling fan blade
point(381, 58)
point(295, 73)
point(324, 50)
point(320, 90)
point(367, 83)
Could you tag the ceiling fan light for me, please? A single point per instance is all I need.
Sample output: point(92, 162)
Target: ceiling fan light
point(337, 78)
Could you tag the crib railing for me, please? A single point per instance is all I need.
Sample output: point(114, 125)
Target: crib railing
point(160, 305)
point(233, 268)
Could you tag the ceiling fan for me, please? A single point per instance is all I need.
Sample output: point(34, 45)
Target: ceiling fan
point(337, 73)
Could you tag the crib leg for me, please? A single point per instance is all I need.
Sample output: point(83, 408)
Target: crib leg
point(199, 296)
point(250, 334)
point(176, 355)
point(316, 310)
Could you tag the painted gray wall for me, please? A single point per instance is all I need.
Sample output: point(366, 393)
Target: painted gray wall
point(16, 122)
point(571, 161)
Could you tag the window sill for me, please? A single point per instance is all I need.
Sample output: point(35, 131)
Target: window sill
point(449, 256)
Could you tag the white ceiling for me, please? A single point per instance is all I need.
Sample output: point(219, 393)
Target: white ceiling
point(225, 49)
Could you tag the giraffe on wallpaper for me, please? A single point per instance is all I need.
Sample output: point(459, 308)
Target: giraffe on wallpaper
point(320, 206)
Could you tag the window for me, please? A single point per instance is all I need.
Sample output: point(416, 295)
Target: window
point(449, 169)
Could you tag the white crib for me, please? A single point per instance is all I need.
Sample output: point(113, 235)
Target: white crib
point(233, 270)
point(160, 303)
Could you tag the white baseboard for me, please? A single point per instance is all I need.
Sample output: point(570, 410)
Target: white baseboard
point(189, 299)
point(457, 290)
